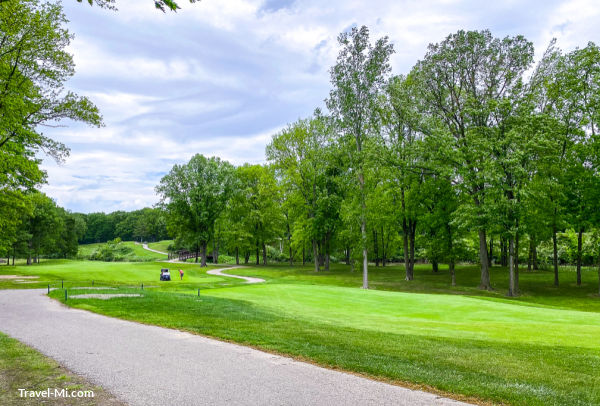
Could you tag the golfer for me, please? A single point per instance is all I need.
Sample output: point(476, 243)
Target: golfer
point(181, 274)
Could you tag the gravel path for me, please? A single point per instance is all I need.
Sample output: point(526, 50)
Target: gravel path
point(220, 272)
point(148, 365)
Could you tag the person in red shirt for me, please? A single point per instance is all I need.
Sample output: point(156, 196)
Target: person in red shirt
point(181, 274)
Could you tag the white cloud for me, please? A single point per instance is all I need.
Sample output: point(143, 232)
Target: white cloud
point(220, 76)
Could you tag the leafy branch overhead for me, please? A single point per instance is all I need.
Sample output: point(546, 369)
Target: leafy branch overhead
point(162, 5)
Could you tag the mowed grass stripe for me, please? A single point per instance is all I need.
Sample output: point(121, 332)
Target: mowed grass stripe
point(430, 315)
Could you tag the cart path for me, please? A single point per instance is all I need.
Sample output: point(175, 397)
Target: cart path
point(248, 279)
point(145, 246)
point(149, 365)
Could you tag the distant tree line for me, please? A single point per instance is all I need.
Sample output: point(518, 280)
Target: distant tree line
point(140, 225)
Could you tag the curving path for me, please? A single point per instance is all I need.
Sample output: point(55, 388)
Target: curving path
point(145, 246)
point(149, 365)
point(248, 279)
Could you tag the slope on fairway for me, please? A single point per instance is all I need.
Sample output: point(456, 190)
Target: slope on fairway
point(109, 272)
point(434, 315)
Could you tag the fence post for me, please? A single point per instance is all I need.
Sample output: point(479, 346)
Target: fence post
point(48, 288)
point(65, 295)
point(62, 284)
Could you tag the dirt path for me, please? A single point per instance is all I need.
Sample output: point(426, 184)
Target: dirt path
point(148, 365)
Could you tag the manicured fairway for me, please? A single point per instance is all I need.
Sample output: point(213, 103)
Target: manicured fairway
point(542, 348)
point(162, 246)
point(82, 273)
point(138, 251)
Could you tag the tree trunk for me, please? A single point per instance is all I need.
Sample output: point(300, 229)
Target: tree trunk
point(257, 254)
point(511, 267)
point(264, 249)
point(246, 257)
point(376, 247)
point(434, 265)
point(327, 260)
point(516, 262)
point(490, 255)
point(452, 273)
point(291, 254)
point(347, 255)
point(237, 255)
point(315, 254)
point(204, 244)
point(197, 252)
point(555, 254)
point(412, 234)
point(485, 271)
point(363, 229)
point(530, 256)
point(303, 255)
point(407, 268)
point(598, 274)
point(534, 258)
point(383, 248)
point(579, 246)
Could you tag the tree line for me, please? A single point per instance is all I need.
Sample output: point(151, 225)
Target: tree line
point(476, 142)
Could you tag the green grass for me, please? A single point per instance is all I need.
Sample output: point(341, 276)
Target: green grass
point(542, 348)
point(162, 246)
point(82, 273)
point(138, 252)
point(22, 367)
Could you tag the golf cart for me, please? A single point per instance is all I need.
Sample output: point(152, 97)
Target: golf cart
point(165, 275)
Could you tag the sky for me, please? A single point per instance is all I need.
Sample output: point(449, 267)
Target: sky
point(220, 77)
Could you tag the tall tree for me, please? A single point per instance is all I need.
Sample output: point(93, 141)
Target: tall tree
point(193, 196)
point(358, 79)
point(466, 77)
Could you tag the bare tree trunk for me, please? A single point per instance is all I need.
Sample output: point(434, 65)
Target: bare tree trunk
point(264, 249)
point(246, 257)
point(452, 273)
point(347, 255)
point(516, 253)
point(413, 230)
point(490, 255)
point(257, 254)
point(363, 230)
point(375, 247)
point(579, 246)
point(303, 255)
point(434, 265)
point(534, 258)
point(204, 244)
point(383, 248)
point(555, 254)
point(530, 256)
point(598, 274)
point(511, 267)
point(409, 275)
point(316, 254)
point(197, 252)
point(237, 255)
point(485, 271)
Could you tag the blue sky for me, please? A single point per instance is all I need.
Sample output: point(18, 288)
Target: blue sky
point(220, 77)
